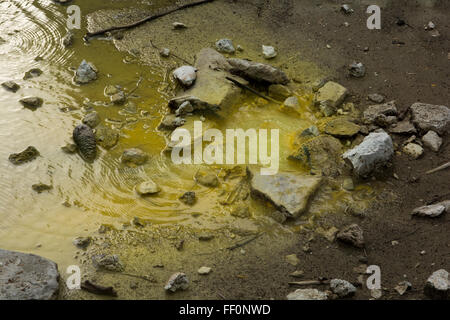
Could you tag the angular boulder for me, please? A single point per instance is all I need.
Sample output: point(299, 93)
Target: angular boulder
point(431, 117)
point(212, 91)
point(375, 113)
point(27, 277)
point(289, 192)
point(438, 285)
point(332, 93)
point(258, 72)
point(375, 151)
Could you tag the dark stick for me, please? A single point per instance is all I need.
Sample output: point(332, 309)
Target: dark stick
point(243, 86)
point(149, 18)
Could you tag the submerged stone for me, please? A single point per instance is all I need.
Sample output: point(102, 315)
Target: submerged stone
point(134, 157)
point(106, 137)
point(27, 277)
point(32, 103)
point(289, 192)
point(32, 73)
point(188, 198)
point(207, 179)
point(171, 122)
point(11, 86)
point(41, 187)
point(91, 119)
point(68, 38)
point(29, 154)
point(147, 187)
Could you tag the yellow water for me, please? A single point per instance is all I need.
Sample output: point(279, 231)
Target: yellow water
point(103, 192)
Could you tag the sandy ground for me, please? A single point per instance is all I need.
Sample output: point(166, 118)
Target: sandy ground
point(418, 70)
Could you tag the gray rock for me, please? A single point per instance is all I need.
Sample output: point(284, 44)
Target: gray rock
point(258, 72)
point(225, 46)
point(67, 40)
point(375, 97)
point(374, 112)
point(27, 277)
point(307, 294)
point(178, 281)
point(332, 94)
point(85, 73)
point(375, 151)
point(91, 119)
point(32, 73)
point(134, 157)
point(269, 52)
point(147, 187)
point(431, 117)
point(107, 262)
point(342, 288)
point(184, 109)
point(346, 9)
point(352, 235)
point(357, 70)
point(31, 103)
point(289, 192)
point(171, 122)
point(106, 137)
point(84, 138)
point(188, 198)
point(432, 140)
point(438, 285)
point(29, 154)
point(186, 75)
point(292, 103)
point(11, 86)
point(432, 211)
point(413, 150)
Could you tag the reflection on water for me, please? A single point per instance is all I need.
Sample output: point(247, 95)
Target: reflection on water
point(102, 192)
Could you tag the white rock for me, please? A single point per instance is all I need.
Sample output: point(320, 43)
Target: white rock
point(375, 151)
point(438, 285)
point(147, 188)
point(342, 288)
point(269, 52)
point(413, 150)
point(204, 270)
point(432, 140)
point(432, 211)
point(186, 75)
point(307, 294)
point(178, 281)
point(225, 46)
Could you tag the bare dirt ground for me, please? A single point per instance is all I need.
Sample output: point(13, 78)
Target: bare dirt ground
point(417, 70)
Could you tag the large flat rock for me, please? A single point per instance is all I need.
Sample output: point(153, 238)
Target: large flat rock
point(431, 117)
point(27, 277)
point(211, 91)
point(289, 192)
